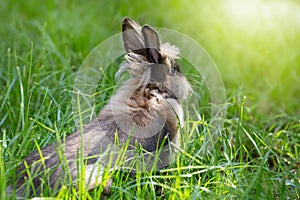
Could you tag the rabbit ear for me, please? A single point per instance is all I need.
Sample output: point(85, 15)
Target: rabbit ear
point(132, 37)
point(152, 44)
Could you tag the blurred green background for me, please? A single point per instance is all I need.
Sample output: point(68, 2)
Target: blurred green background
point(255, 44)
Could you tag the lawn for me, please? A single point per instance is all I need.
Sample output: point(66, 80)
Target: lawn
point(255, 47)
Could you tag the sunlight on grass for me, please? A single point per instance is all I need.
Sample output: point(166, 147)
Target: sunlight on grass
point(245, 13)
point(256, 46)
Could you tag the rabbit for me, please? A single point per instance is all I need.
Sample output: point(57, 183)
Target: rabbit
point(145, 111)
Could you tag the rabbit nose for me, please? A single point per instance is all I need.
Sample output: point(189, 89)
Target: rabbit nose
point(158, 73)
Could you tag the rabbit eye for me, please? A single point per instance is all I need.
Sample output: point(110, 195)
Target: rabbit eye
point(175, 67)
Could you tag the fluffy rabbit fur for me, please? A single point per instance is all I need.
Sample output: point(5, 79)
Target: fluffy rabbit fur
point(145, 111)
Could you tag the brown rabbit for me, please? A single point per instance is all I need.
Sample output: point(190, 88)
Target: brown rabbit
point(144, 112)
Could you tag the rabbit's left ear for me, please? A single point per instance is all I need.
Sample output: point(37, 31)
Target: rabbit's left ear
point(132, 37)
point(152, 44)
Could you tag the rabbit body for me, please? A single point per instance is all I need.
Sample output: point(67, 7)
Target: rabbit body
point(144, 111)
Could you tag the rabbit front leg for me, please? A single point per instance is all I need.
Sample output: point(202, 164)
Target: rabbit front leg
point(177, 108)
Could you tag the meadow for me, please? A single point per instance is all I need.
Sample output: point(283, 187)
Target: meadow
point(255, 46)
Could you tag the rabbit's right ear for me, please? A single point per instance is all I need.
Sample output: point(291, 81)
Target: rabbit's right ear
point(132, 37)
point(152, 44)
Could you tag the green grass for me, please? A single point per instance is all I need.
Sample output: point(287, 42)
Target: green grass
point(42, 46)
